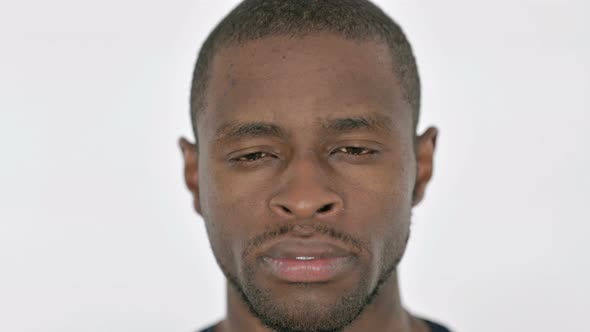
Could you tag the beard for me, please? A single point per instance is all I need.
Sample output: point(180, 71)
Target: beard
point(304, 315)
point(306, 311)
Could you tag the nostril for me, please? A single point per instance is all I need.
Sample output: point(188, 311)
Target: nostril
point(285, 209)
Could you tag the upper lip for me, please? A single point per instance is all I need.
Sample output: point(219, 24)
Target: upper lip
point(293, 248)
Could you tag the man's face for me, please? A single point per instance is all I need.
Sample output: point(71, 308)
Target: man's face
point(309, 213)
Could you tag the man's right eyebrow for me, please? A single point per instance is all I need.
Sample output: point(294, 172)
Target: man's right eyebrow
point(237, 130)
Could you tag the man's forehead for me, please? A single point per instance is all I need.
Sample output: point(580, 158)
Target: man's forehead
point(290, 55)
point(321, 83)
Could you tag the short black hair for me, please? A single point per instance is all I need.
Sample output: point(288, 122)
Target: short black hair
point(353, 19)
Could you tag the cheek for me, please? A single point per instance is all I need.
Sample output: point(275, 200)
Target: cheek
point(231, 215)
point(392, 213)
point(390, 181)
point(389, 203)
point(219, 214)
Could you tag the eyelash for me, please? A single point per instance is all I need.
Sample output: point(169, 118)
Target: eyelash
point(362, 155)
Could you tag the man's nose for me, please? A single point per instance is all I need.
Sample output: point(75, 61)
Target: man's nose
point(305, 195)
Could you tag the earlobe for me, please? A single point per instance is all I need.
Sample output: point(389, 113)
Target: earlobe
point(191, 170)
point(426, 144)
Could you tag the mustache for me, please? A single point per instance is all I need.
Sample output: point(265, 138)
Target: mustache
point(305, 230)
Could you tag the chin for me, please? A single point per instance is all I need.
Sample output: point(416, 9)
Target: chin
point(298, 307)
point(309, 313)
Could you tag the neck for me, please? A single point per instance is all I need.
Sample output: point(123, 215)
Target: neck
point(385, 313)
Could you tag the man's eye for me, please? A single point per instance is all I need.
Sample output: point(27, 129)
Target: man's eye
point(356, 151)
point(250, 157)
point(350, 150)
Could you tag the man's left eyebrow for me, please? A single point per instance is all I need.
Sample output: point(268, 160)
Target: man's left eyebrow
point(375, 122)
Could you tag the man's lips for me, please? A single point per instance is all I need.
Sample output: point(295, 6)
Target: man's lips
point(303, 260)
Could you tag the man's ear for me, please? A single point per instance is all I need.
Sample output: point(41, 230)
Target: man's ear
point(191, 170)
point(425, 145)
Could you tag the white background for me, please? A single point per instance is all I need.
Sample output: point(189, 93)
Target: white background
point(97, 232)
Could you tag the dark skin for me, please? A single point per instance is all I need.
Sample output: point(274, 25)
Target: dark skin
point(357, 180)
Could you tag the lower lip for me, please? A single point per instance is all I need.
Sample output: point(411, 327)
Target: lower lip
point(310, 270)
